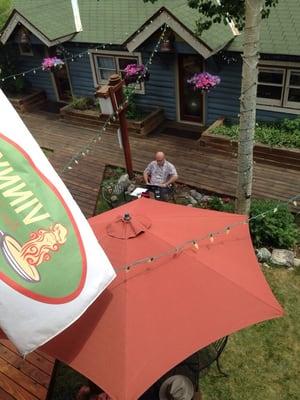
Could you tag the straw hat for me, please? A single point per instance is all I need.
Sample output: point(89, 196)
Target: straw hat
point(177, 387)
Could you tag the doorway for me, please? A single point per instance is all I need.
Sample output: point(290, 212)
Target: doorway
point(190, 101)
point(62, 84)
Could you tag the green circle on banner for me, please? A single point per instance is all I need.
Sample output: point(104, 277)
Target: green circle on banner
point(41, 250)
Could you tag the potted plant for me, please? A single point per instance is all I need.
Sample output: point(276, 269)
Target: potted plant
point(52, 64)
point(135, 73)
point(204, 81)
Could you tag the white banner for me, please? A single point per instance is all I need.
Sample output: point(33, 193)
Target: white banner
point(51, 264)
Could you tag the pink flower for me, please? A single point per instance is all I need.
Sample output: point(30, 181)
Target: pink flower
point(51, 62)
point(204, 81)
point(135, 69)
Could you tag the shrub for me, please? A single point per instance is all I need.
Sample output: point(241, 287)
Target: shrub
point(82, 103)
point(274, 229)
point(285, 133)
point(216, 203)
point(133, 111)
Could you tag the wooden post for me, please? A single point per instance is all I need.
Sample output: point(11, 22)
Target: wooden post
point(120, 107)
point(125, 142)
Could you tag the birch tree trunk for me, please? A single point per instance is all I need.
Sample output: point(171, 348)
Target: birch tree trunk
point(250, 56)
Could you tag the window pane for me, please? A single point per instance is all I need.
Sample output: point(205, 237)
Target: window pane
point(106, 62)
point(269, 92)
point(123, 62)
point(270, 76)
point(106, 73)
point(295, 78)
point(294, 95)
point(25, 48)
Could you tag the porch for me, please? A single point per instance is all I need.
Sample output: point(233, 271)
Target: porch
point(204, 167)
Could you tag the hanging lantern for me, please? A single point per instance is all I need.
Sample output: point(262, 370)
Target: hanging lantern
point(23, 36)
point(167, 43)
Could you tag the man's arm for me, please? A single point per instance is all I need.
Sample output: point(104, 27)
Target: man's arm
point(146, 177)
point(173, 176)
point(171, 180)
point(147, 173)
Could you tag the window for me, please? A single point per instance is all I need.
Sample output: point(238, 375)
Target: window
point(279, 87)
point(25, 49)
point(270, 86)
point(107, 63)
point(292, 92)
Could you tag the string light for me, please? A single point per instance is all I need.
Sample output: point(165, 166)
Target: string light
point(194, 242)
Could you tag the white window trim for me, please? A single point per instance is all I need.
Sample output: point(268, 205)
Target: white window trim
point(110, 53)
point(278, 109)
point(23, 53)
point(287, 103)
point(284, 105)
point(274, 102)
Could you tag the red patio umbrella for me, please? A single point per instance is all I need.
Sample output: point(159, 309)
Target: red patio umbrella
point(161, 311)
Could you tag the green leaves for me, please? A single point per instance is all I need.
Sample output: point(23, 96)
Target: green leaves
point(285, 133)
point(274, 229)
point(212, 11)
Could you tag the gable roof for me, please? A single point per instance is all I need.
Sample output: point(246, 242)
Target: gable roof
point(118, 21)
point(280, 33)
point(54, 18)
point(113, 21)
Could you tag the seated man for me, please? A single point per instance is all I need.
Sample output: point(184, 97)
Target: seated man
point(160, 172)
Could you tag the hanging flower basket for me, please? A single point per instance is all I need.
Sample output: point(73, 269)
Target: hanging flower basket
point(52, 64)
point(204, 81)
point(135, 73)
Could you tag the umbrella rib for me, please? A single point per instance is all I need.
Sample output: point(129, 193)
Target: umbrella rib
point(236, 284)
point(216, 272)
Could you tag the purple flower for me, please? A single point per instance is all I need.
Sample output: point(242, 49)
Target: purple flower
point(204, 81)
point(135, 69)
point(52, 62)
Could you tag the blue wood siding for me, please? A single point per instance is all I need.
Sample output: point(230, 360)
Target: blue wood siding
point(41, 79)
point(224, 99)
point(81, 72)
point(160, 90)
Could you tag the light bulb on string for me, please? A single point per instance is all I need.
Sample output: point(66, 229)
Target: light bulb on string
point(195, 245)
point(227, 230)
point(295, 203)
point(211, 238)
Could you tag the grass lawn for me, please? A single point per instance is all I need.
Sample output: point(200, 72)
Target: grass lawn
point(263, 361)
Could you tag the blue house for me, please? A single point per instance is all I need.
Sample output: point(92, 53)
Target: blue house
point(99, 38)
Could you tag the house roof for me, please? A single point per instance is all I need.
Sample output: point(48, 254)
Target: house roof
point(112, 21)
point(280, 32)
point(54, 19)
point(117, 21)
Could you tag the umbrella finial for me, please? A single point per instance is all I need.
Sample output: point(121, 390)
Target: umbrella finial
point(126, 217)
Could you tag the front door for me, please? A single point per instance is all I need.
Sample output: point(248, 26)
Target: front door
point(190, 101)
point(62, 83)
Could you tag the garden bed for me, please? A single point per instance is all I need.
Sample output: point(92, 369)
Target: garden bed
point(26, 102)
point(92, 118)
point(215, 136)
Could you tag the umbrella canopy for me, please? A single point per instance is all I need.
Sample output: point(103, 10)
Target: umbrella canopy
point(158, 313)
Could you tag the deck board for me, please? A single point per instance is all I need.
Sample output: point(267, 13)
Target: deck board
point(23, 379)
point(197, 165)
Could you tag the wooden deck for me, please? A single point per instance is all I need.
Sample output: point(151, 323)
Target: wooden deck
point(202, 167)
point(23, 379)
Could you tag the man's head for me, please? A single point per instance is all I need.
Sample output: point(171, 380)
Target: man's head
point(160, 158)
